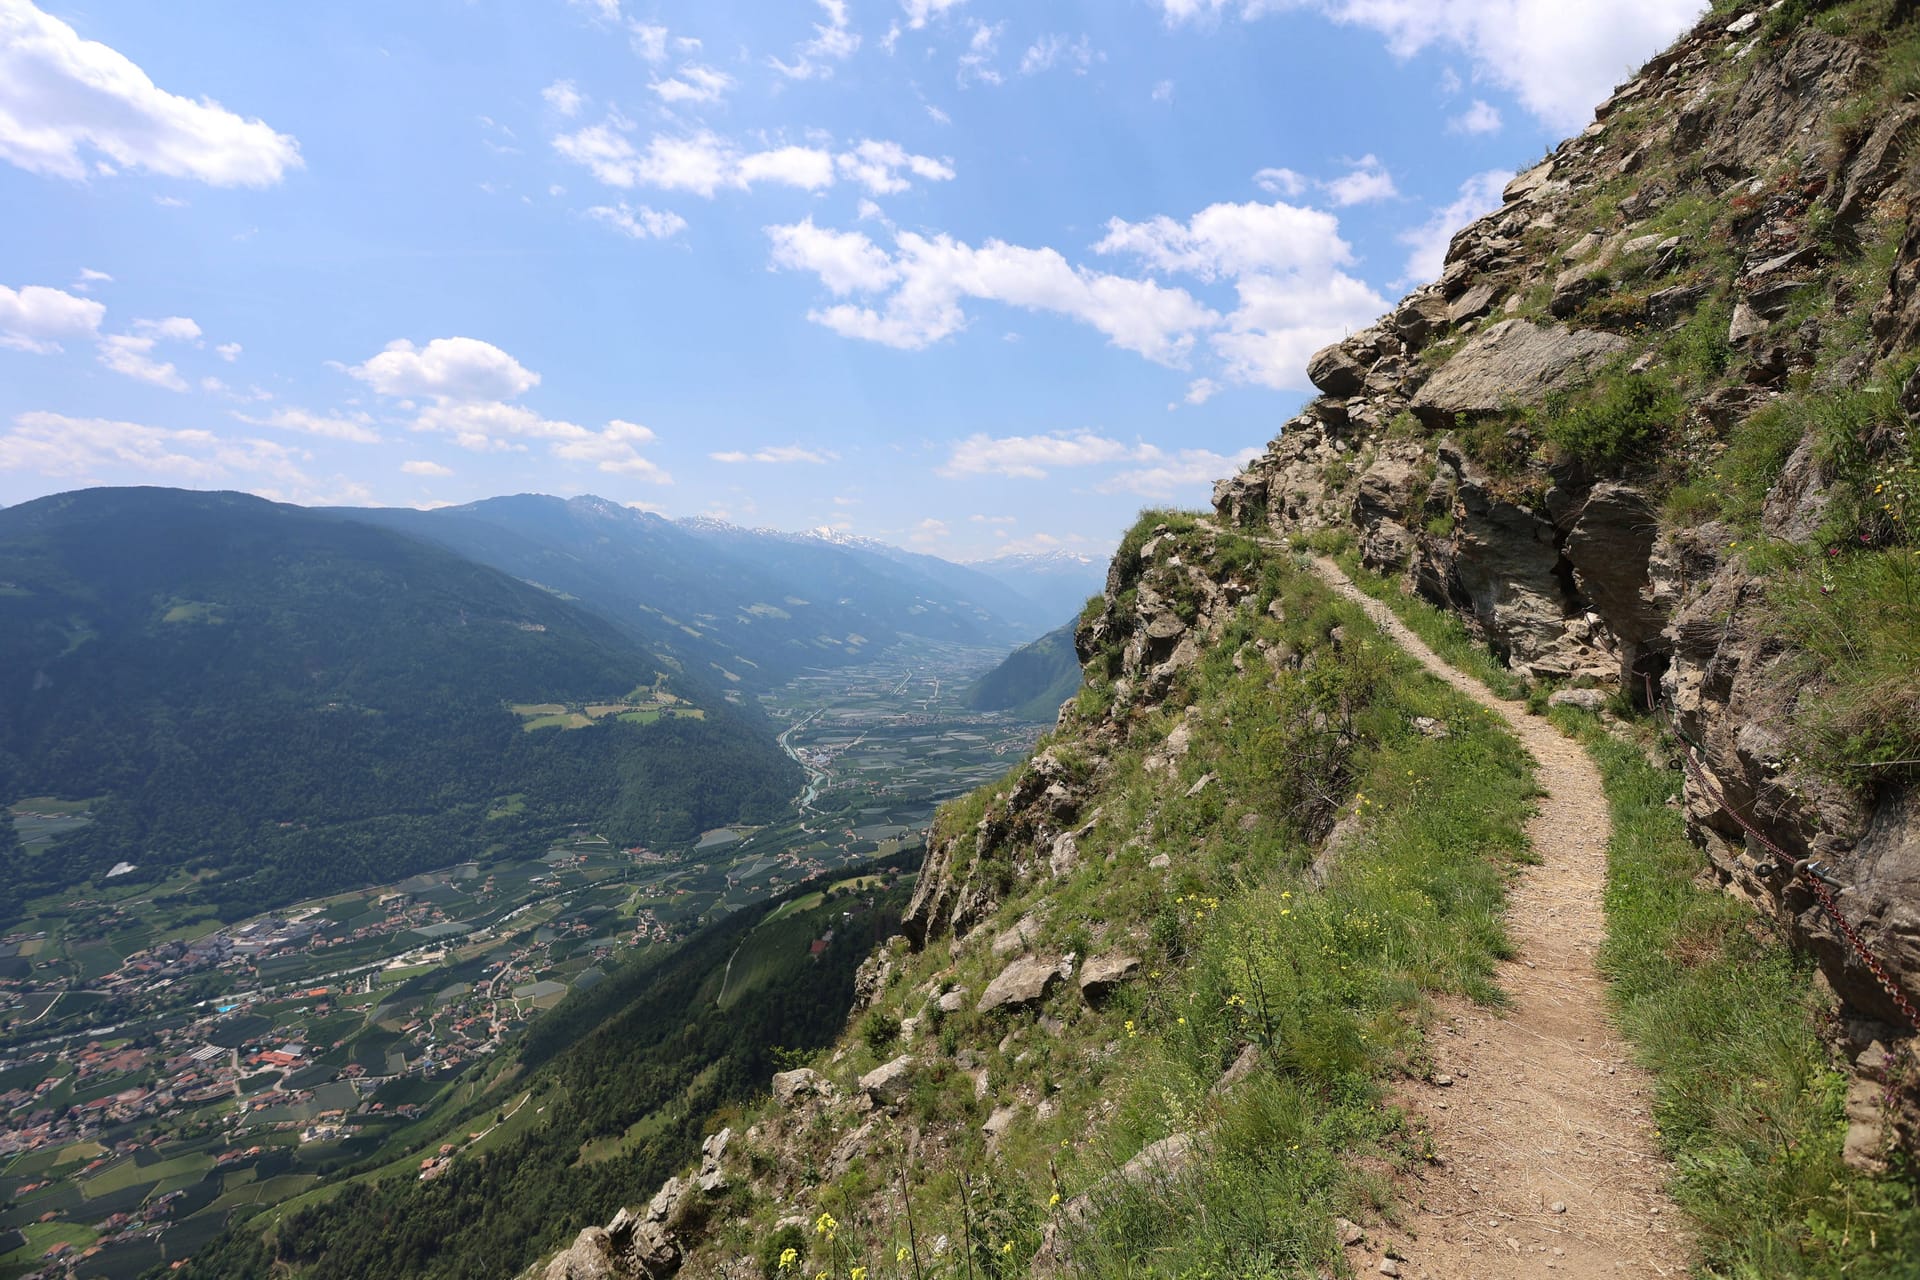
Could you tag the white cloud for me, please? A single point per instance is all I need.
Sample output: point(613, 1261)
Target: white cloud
point(846, 261)
point(1283, 319)
point(89, 278)
point(1479, 117)
point(565, 97)
point(782, 453)
point(832, 42)
point(356, 428)
point(876, 166)
point(613, 450)
point(694, 82)
point(982, 47)
point(1163, 91)
point(983, 519)
point(1232, 240)
point(1050, 50)
point(639, 221)
point(604, 10)
point(1368, 180)
point(1180, 471)
point(920, 12)
point(929, 532)
point(929, 277)
point(171, 329)
point(133, 354)
point(450, 368)
point(229, 351)
point(490, 425)
point(74, 108)
point(649, 41)
point(1558, 58)
point(35, 318)
point(1032, 457)
point(703, 163)
point(92, 449)
point(1201, 390)
point(1285, 262)
point(1427, 242)
point(808, 168)
point(419, 467)
point(700, 162)
point(471, 385)
point(1280, 182)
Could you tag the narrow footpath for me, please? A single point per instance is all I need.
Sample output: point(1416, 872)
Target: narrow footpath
point(1541, 1124)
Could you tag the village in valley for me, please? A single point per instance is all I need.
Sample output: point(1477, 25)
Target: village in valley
point(162, 1073)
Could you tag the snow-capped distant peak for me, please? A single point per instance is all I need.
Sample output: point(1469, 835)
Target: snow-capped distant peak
point(1037, 559)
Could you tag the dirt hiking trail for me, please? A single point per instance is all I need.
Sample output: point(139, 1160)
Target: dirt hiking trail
point(1540, 1121)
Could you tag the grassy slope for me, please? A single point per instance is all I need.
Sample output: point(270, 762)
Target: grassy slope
point(1239, 947)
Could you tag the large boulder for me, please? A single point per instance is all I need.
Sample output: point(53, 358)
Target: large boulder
point(1336, 371)
point(1024, 982)
point(712, 1177)
point(1101, 974)
point(888, 1083)
point(1513, 362)
point(590, 1257)
point(790, 1087)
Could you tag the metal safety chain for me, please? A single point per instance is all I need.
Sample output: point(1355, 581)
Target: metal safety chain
point(1816, 874)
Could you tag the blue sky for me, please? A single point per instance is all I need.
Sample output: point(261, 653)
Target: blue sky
point(967, 275)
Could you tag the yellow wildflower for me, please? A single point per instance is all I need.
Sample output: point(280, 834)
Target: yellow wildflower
point(789, 1258)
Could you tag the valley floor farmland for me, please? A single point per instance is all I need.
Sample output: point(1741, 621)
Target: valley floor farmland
point(162, 1075)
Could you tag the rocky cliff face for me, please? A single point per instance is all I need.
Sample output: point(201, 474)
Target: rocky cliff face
point(1728, 242)
point(1605, 439)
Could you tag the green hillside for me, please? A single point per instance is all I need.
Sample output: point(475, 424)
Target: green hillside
point(1033, 681)
point(294, 703)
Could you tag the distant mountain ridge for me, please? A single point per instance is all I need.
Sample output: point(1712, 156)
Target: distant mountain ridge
point(746, 608)
point(1058, 582)
point(296, 702)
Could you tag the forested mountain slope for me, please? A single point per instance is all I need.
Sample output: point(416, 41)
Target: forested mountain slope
point(1034, 680)
point(625, 1078)
point(292, 702)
